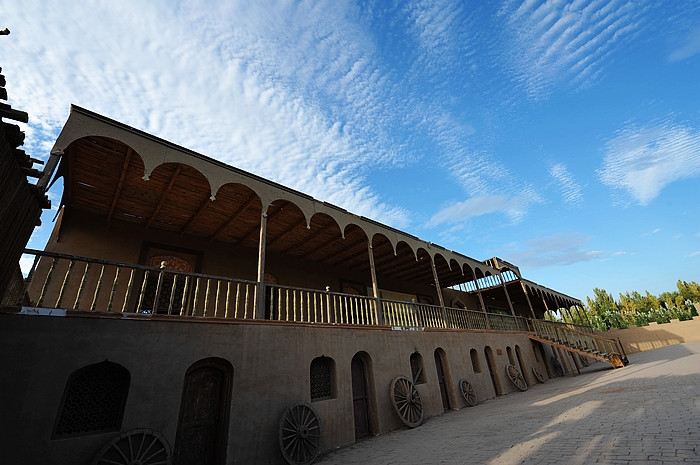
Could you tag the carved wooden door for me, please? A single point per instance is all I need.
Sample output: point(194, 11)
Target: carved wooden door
point(360, 399)
point(442, 381)
point(201, 432)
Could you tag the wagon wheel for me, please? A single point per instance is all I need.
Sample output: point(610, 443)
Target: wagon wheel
point(407, 401)
point(468, 392)
point(557, 366)
point(135, 447)
point(299, 434)
point(516, 377)
point(538, 374)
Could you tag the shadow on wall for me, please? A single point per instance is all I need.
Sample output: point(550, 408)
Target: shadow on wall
point(641, 338)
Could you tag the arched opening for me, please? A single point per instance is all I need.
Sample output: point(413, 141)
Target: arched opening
point(442, 376)
point(417, 371)
point(491, 364)
point(476, 366)
point(361, 396)
point(519, 356)
point(509, 352)
point(541, 357)
point(202, 428)
point(93, 400)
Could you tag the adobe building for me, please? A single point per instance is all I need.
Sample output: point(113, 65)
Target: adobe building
point(185, 311)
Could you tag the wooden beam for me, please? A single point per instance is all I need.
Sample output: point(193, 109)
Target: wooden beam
point(164, 196)
point(256, 228)
point(354, 255)
point(320, 247)
point(233, 218)
point(202, 207)
point(120, 185)
point(301, 222)
point(306, 240)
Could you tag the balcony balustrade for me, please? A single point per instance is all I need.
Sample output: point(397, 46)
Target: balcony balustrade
point(60, 281)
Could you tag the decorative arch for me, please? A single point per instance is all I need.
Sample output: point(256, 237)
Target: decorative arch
point(93, 400)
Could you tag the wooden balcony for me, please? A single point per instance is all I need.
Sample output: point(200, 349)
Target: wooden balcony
point(72, 283)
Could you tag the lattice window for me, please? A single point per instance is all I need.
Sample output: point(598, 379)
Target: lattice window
point(476, 366)
point(93, 400)
point(417, 368)
point(321, 378)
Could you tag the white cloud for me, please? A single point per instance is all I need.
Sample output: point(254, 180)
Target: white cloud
point(514, 207)
point(694, 254)
point(557, 250)
point(649, 233)
point(689, 48)
point(290, 91)
point(642, 161)
point(571, 191)
point(558, 42)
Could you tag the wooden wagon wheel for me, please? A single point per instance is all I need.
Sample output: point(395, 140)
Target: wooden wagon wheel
point(468, 392)
point(299, 434)
point(557, 366)
point(538, 374)
point(516, 377)
point(135, 447)
point(407, 401)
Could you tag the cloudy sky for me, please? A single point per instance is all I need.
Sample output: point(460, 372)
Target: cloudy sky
point(562, 136)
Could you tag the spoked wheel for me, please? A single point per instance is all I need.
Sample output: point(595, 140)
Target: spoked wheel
point(407, 401)
point(135, 447)
point(468, 392)
point(538, 374)
point(557, 366)
point(516, 377)
point(299, 434)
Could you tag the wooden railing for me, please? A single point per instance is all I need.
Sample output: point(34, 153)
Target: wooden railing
point(78, 283)
point(575, 336)
point(314, 306)
point(60, 281)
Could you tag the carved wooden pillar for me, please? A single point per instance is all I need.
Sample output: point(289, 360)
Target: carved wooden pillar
point(375, 286)
point(481, 301)
point(505, 289)
point(260, 293)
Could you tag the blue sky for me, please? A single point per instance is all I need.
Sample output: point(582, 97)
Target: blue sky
point(562, 136)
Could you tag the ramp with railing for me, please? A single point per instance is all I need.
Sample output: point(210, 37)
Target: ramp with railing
point(578, 340)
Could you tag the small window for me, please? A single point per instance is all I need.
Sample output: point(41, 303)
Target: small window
point(476, 366)
point(321, 372)
point(509, 352)
point(94, 400)
point(417, 368)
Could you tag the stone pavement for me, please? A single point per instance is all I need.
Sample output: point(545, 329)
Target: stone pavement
point(645, 413)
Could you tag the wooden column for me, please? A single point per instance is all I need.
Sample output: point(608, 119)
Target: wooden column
point(260, 294)
point(529, 304)
point(439, 290)
point(546, 307)
point(481, 301)
point(505, 289)
point(375, 285)
point(583, 310)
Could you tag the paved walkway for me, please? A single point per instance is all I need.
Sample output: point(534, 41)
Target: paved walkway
point(645, 413)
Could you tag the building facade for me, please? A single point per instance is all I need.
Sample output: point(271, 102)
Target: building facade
point(213, 316)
